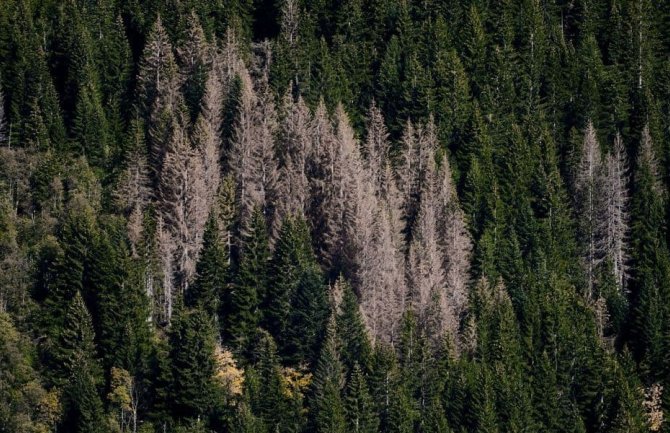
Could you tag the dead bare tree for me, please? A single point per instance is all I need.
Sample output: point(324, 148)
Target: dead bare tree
point(587, 185)
point(183, 206)
point(614, 217)
point(453, 239)
point(426, 279)
point(163, 295)
point(380, 280)
point(252, 155)
point(294, 145)
point(207, 136)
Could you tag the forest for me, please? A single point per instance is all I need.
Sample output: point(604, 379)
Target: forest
point(334, 216)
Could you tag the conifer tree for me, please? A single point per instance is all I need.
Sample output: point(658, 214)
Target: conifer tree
point(269, 394)
point(133, 191)
point(588, 185)
point(91, 131)
point(33, 100)
point(650, 259)
point(114, 62)
point(327, 408)
point(195, 57)
point(251, 156)
point(426, 278)
point(479, 180)
point(83, 408)
point(288, 55)
point(307, 319)
point(355, 345)
point(379, 278)
point(183, 207)
point(375, 151)
point(244, 421)
point(321, 166)
point(292, 259)
point(383, 372)
point(346, 205)
point(452, 91)
point(361, 415)
point(412, 165)
point(212, 273)
point(157, 86)
point(453, 238)
point(192, 343)
point(616, 231)
point(474, 40)
point(293, 149)
point(121, 306)
point(249, 286)
point(67, 270)
point(206, 136)
point(402, 413)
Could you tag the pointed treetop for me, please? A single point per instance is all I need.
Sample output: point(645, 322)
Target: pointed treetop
point(647, 157)
point(329, 368)
point(590, 158)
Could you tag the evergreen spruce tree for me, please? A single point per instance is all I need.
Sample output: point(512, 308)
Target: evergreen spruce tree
point(82, 375)
point(90, 127)
point(651, 263)
point(360, 410)
point(192, 341)
point(307, 319)
point(249, 286)
point(327, 408)
point(67, 271)
point(268, 393)
point(212, 273)
point(121, 306)
point(292, 259)
point(356, 348)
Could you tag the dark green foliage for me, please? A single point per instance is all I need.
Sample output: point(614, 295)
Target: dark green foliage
point(65, 275)
point(90, 127)
point(307, 318)
point(267, 389)
point(121, 306)
point(650, 315)
point(249, 286)
point(213, 273)
point(327, 407)
point(292, 259)
point(361, 414)
point(355, 345)
point(192, 340)
point(81, 373)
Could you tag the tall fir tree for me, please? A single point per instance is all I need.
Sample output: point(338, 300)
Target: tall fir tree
point(249, 286)
point(327, 408)
point(192, 342)
point(76, 348)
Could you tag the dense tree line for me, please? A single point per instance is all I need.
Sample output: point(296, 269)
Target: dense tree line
point(332, 216)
